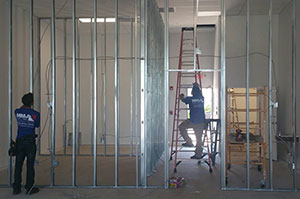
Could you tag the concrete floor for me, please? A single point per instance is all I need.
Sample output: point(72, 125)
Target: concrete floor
point(199, 182)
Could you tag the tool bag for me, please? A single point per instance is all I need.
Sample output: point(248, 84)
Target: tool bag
point(13, 149)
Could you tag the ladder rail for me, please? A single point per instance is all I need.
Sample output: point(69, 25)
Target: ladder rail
point(176, 100)
point(197, 77)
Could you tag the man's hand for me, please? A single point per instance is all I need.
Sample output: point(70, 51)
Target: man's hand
point(181, 96)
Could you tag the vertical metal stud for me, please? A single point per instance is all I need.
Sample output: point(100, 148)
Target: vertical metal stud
point(39, 80)
point(270, 94)
point(95, 94)
point(143, 175)
point(91, 91)
point(136, 91)
point(116, 93)
point(104, 88)
point(53, 83)
point(65, 85)
point(166, 95)
point(223, 95)
point(74, 92)
point(78, 68)
point(247, 92)
point(31, 50)
point(131, 89)
point(9, 129)
point(195, 14)
point(144, 102)
point(294, 96)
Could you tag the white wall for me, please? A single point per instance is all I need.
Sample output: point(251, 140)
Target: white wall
point(20, 69)
point(284, 71)
point(236, 50)
point(235, 46)
point(85, 53)
point(3, 81)
point(259, 51)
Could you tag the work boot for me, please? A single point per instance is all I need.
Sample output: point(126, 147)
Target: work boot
point(32, 190)
point(187, 145)
point(16, 191)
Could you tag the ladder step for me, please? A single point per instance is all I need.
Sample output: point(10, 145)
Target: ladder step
point(191, 73)
point(188, 76)
point(179, 141)
point(189, 39)
point(187, 43)
point(186, 86)
point(188, 59)
point(183, 109)
point(188, 65)
point(180, 119)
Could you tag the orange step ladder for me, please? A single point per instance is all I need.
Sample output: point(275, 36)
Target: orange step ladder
point(186, 61)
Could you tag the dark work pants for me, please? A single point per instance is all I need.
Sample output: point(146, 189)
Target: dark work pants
point(25, 148)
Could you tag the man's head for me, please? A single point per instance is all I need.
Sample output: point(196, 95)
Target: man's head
point(196, 90)
point(27, 99)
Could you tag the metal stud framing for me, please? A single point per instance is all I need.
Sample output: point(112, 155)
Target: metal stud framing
point(53, 83)
point(247, 93)
point(31, 46)
point(116, 93)
point(294, 97)
point(65, 85)
point(143, 179)
point(74, 25)
point(136, 92)
point(270, 95)
point(9, 129)
point(166, 94)
point(104, 88)
point(271, 103)
point(95, 94)
point(141, 169)
point(131, 89)
point(195, 15)
point(223, 95)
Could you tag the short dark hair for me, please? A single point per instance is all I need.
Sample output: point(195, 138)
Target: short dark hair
point(27, 99)
point(196, 90)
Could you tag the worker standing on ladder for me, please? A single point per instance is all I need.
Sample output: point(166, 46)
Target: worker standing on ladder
point(196, 121)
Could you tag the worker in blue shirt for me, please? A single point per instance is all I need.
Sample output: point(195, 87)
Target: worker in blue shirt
point(27, 119)
point(196, 121)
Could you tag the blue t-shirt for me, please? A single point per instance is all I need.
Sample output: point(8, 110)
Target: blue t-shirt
point(28, 119)
point(196, 105)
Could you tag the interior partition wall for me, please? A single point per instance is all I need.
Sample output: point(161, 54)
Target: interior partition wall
point(259, 52)
point(96, 85)
point(258, 40)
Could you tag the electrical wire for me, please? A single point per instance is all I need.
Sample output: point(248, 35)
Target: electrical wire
point(43, 34)
point(59, 11)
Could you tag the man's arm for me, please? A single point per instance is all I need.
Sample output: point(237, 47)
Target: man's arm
point(186, 100)
point(37, 121)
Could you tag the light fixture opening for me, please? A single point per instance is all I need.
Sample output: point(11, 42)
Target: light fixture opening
point(99, 20)
point(209, 13)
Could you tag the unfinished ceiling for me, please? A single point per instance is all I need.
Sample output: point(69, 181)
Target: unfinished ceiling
point(183, 15)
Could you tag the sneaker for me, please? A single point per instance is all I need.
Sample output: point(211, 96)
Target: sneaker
point(187, 145)
point(16, 191)
point(197, 157)
point(32, 190)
